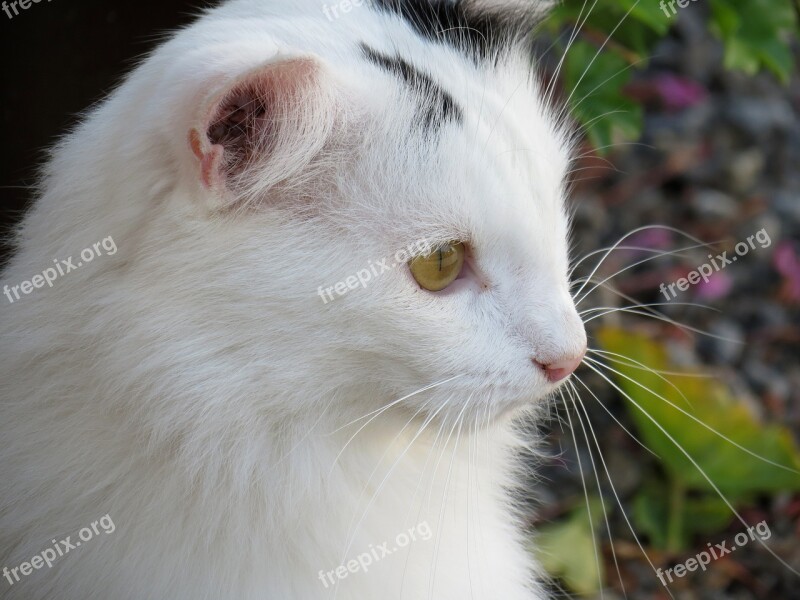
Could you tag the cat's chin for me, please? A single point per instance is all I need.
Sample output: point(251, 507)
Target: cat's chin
point(521, 408)
point(497, 403)
point(509, 402)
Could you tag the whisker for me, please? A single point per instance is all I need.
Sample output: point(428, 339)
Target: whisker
point(441, 454)
point(634, 232)
point(696, 466)
point(592, 155)
point(692, 417)
point(612, 309)
point(634, 364)
point(434, 445)
point(600, 117)
point(616, 420)
point(573, 36)
point(428, 420)
point(307, 434)
point(644, 367)
point(606, 249)
point(619, 501)
point(632, 310)
point(376, 413)
point(354, 528)
point(566, 104)
point(587, 178)
point(468, 498)
point(615, 291)
point(575, 398)
point(646, 311)
point(636, 264)
point(459, 422)
point(601, 84)
point(586, 494)
point(378, 410)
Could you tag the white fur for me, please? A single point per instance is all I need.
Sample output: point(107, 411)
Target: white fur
point(194, 386)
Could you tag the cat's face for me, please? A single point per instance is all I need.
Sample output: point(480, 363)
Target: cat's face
point(320, 172)
point(493, 179)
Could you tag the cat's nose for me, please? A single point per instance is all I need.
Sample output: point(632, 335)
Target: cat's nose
point(562, 368)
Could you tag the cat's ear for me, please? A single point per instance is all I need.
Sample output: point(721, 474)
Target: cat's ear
point(261, 128)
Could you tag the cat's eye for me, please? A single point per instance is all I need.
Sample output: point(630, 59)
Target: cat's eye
point(439, 269)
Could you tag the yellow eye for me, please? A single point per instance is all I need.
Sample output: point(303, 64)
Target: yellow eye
point(438, 270)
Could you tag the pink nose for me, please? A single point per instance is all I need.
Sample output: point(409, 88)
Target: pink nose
point(561, 369)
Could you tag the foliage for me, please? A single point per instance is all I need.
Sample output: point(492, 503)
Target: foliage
point(617, 38)
point(676, 506)
point(676, 417)
point(568, 549)
point(698, 417)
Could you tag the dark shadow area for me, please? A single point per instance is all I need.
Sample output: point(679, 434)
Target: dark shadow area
point(58, 59)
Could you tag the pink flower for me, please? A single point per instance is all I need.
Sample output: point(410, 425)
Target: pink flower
point(719, 285)
point(678, 92)
point(787, 263)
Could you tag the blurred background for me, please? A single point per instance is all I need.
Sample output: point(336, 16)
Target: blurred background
point(691, 121)
point(690, 402)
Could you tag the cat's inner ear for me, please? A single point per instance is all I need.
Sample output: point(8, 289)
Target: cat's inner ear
point(262, 128)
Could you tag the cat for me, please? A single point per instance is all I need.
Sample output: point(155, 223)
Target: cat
point(240, 438)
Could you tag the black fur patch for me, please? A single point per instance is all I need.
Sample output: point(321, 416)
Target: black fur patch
point(479, 33)
point(437, 104)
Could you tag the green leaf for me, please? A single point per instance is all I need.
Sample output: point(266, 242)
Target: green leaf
point(726, 20)
point(671, 520)
point(777, 58)
point(567, 550)
point(597, 99)
point(739, 55)
point(735, 472)
point(706, 515)
point(651, 515)
point(649, 13)
point(756, 34)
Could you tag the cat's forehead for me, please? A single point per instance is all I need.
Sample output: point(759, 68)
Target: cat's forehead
point(470, 144)
point(488, 123)
point(497, 103)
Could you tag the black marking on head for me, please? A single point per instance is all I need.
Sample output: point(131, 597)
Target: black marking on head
point(480, 31)
point(437, 104)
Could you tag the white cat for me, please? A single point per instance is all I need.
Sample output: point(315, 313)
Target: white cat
point(247, 440)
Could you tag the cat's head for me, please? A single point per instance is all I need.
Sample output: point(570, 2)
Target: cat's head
point(308, 152)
